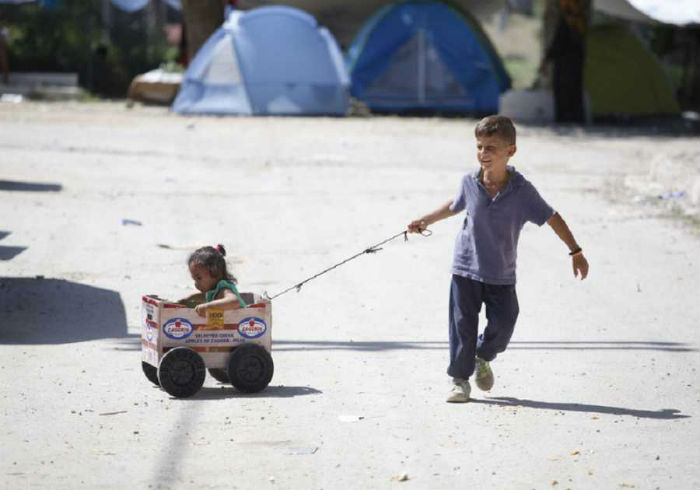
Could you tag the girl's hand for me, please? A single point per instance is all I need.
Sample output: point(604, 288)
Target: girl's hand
point(580, 265)
point(201, 310)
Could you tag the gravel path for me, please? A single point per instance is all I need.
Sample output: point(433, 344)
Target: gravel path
point(598, 390)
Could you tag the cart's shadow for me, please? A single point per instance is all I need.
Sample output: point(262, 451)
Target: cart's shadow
point(502, 401)
point(280, 391)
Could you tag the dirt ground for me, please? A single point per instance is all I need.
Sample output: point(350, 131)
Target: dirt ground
point(100, 205)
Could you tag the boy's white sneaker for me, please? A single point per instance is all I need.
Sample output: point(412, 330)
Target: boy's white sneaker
point(460, 391)
point(484, 376)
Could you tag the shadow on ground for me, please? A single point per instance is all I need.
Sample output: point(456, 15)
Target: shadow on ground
point(9, 253)
point(54, 311)
point(225, 391)
point(280, 391)
point(308, 345)
point(133, 342)
point(664, 414)
point(11, 185)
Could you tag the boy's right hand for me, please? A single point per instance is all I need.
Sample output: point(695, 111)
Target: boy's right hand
point(417, 226)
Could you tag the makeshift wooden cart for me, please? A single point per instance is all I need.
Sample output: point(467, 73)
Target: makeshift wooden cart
point(178, 346)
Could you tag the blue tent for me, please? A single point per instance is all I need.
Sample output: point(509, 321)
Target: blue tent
point(270, 60)
point(425, 56)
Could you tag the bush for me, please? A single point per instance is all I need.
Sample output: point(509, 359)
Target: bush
point(72, 38)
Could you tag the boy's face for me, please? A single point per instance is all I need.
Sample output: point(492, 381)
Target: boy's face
point(493, 152)
point(203, 280)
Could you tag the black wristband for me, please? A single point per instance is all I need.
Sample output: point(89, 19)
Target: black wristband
point(578, 250)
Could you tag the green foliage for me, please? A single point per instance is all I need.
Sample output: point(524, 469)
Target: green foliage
point(50, 39)
point(72, 38)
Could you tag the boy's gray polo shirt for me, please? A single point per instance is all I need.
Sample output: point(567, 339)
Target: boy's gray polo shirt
point(486, 247)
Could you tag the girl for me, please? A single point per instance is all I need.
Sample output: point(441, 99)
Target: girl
point(208, 269)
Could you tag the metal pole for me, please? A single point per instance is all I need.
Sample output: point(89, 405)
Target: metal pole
point(421, 67)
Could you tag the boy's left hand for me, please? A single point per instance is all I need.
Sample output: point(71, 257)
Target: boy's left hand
point(201, 310)
point(580, 265)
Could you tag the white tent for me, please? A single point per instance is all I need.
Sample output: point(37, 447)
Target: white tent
point(678, 12)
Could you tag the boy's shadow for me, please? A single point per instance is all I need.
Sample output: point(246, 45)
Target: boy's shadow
point(227, 391)
point(664, 414)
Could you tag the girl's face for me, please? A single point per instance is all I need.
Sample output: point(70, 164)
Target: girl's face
point(203, 280)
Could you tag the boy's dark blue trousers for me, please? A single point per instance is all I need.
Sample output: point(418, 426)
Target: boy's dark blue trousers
point(466, 298)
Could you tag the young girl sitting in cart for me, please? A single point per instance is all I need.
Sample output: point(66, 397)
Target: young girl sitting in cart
point(211, 277)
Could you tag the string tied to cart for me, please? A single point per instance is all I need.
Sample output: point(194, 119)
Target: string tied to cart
point(369, 250)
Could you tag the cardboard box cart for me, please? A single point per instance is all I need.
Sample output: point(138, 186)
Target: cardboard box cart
point(178, 345)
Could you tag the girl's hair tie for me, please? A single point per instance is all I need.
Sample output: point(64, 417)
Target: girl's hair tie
point(220, 248)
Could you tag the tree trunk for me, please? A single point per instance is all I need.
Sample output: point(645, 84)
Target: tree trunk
point(201, 19)
point(565, 30)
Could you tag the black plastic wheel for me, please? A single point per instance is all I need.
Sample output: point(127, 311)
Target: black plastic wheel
point(250, 368)
point(221, 375)
point(181, 372)
point(151, 373)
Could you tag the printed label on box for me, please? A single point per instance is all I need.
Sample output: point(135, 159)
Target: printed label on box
point(150, 356)
point(213, 337)
point(215, 318)
point(178, 328)
point(252, 327)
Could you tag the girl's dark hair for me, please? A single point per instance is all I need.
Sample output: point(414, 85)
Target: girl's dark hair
point(212, 258)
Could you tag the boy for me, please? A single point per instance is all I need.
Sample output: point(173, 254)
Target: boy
point(498, 201)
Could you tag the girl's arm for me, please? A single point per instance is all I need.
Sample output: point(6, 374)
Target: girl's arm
point(440, 213)
point(228, 301)
point(578, 261)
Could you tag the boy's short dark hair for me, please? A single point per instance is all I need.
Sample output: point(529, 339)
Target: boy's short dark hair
point(500, 126)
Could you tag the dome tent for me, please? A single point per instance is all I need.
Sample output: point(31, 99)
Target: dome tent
point(425, 56)
point(243, 69)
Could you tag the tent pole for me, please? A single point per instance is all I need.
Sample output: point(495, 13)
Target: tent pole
point(421, 67)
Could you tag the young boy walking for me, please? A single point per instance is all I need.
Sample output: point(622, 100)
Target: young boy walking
point(498, 201)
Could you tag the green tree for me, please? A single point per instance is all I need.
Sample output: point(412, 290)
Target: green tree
point(74, 37)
